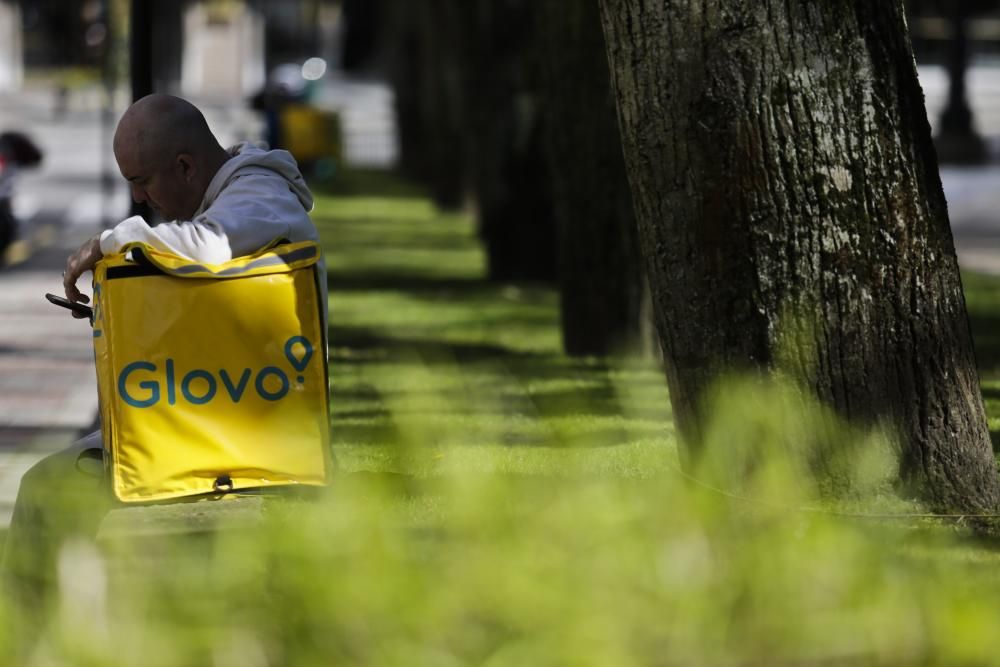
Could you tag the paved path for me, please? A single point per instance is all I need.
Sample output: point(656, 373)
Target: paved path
point(47, 393)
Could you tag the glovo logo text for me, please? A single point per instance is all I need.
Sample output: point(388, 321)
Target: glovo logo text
point(200, 386)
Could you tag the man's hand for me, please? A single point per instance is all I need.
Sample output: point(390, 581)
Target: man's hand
point(80, 262)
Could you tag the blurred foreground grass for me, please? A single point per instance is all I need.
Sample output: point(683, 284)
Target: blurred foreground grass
point(500, 504)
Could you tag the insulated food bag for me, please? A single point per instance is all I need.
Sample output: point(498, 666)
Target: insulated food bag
point(212, 378)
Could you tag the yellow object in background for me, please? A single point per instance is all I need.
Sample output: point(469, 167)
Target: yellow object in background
point(212, 378)
point(310, 134)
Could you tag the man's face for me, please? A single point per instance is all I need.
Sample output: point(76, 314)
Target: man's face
point(165, 184)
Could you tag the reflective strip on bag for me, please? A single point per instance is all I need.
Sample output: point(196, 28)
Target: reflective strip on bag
point(279, 259)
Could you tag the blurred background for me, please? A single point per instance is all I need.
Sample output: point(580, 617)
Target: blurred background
point(446, 94)
point(68, 69)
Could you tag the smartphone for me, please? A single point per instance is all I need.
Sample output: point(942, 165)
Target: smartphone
point(80, 308)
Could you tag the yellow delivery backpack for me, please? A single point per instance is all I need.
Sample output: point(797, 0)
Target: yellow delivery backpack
point(212, 378)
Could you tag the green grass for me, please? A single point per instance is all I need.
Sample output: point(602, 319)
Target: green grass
point(436, 370)
point(982, 295)
point(500, 504)
point(70, 77)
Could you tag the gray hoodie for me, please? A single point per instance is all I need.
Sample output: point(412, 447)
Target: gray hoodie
point(257, 197)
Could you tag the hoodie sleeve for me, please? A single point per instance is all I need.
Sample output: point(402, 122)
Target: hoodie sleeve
point(197, 241)
point(251, 212)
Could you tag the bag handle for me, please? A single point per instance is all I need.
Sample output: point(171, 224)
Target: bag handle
point(279, 256)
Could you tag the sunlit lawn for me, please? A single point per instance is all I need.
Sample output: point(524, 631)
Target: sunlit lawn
point(500, 504)
point(982, 295)
point(434, 365)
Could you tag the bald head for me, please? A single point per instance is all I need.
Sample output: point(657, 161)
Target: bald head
point(167, 153)
point(161, 126)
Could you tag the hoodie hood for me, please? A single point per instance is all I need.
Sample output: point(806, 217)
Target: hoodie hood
point(247, 159)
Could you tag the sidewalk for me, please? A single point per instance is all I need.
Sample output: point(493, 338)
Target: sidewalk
point(47, 376)
point(47, 392)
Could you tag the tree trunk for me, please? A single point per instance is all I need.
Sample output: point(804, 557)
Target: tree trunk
point(781, 161)
point(596, 237)
point(360, 36)
point(957, 139)
point(464, 77)
point(509, 170)
point(424, 43)
point(401, 55)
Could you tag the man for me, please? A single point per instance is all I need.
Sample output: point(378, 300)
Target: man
point(221, 204)
point(224, 204)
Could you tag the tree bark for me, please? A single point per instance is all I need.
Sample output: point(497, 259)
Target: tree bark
point(600, 276)
point(510, 173)
point(361, 21)
point(781, 162)
point(424, 50)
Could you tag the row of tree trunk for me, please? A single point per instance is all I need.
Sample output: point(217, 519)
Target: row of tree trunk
point(493, 110)
point(787, 204)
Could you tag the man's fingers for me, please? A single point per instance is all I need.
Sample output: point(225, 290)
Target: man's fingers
point(69, 286)
point(80, 262)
